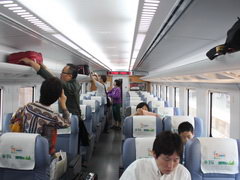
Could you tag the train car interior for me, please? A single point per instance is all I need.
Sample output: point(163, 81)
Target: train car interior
point(154, 51)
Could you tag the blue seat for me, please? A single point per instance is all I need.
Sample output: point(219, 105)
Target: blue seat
point(87, 151)
point(6, 121)
point(101, 101)
point(68, 142)
point(128, 126)
point(42, 163)
point(130, 110)
point(198, 124)
point(96, 126)
point(129, 150)
point(193, 161)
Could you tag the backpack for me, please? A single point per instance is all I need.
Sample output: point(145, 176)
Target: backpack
point(231, 44)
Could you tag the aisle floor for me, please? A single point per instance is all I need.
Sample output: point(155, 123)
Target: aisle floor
point(106, 156)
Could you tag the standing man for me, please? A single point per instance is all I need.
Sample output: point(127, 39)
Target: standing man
point(71, 89)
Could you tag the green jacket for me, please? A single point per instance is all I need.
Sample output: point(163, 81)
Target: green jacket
point(71, 89)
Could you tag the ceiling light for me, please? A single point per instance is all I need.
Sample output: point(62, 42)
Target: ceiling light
point(66, 41)
point(148, 13)
point(14, 8)
point(27, 18)
point(150, 7)
point(152, 1)
point(23, 13)
point(10, 5)
point(17, 11)
point(150, 4)
point(6, 2)
point(27, 15)
point(148, 10)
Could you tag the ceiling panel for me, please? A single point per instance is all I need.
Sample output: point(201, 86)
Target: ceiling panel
point(203, 23)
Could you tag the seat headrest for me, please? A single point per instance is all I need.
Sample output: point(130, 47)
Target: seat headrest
point(157, 104)
point(19, 150)
point(176, 120)
point(166, 111)
point(144, 126)
point(134, 102)
point(144, 147)
point(98, 98)
point(92, 103)
point(83, 111)
point(219, 155)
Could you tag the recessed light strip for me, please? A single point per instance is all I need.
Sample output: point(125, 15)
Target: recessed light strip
point(148, 11)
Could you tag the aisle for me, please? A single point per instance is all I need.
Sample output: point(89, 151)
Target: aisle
point(106, 157)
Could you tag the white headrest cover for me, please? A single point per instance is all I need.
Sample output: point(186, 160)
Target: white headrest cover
point(98, 98)
point(144, 147)
point(83, 111)
point(144, 126)
point(176, 120)
point(156, 104)
point(17, 151)
point(91, 103)
point(135, 98)
point(166, 111)
point(219, 155)
point(134, 102)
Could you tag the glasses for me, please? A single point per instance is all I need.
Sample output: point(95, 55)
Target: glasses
point(65, 73)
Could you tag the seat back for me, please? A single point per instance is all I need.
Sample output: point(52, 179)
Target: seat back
point(136, 148)
point(172, 123)
point(41, 155)
point(130, 110)
point(128, 126)
point(67, 139)
point(215, 161)
point(6, 121)
point(87, 117)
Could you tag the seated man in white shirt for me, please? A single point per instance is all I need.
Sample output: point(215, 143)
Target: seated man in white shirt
point(167, 149)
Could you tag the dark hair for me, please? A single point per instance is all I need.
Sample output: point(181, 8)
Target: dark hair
point(141, 104)
point(73, 70)
point(118, 83)
point(185, 126)
point(167, 143)
point(104, 78)
point(51, 90)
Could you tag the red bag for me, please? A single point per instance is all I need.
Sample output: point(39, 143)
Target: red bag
point(15, 57)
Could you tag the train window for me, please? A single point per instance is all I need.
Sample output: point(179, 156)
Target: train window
point(176, 97)
point(192, 102)
point(26, 95)
point(162, 93)
point(0, 110)
point(219, 114)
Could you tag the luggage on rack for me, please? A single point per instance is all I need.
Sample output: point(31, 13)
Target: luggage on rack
point(83, 69)
point(15, 57)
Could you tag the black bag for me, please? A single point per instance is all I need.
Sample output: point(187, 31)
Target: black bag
point(83, 69)
point(109, 103)
point(232, 42)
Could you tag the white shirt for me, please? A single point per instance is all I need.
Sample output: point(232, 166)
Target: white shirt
point(146, 168)
point(101, 91)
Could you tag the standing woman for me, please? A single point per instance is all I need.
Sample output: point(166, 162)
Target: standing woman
point(115, 94)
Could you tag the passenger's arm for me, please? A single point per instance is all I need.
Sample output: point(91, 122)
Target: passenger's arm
point(39, 68)
point(63, 121)
point(115, 93)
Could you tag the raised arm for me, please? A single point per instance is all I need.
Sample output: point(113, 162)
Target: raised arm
point(39, 68)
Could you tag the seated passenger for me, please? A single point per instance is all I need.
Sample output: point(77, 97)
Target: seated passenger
point(185, 131)
point(39, 118)
point(164, 165)
point(143, 109)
